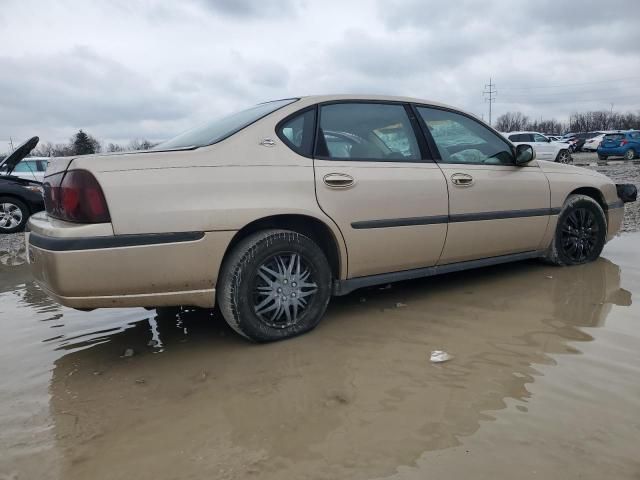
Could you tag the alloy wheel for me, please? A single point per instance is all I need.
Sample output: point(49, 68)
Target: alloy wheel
point(564, 157)
point(10, 216)
point(579, 234)
point(283, 288)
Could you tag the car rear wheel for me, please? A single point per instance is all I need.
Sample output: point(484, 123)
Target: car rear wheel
point(13, 215)
point(563, 156)
point(602, 157)
point(580, 233)
point(275, 284)
point(630, 154)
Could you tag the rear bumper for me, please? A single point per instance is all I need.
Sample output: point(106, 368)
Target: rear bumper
point(125, 270)
point(612, 150)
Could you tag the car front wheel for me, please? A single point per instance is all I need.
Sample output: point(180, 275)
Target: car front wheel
point(580, 232)
point(275, 284)
point(13, 215)
point(602, 157)
point(563, 156)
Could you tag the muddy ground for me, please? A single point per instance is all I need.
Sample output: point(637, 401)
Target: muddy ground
point(542, 383)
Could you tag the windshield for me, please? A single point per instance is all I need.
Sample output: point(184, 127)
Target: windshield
point(221, 128)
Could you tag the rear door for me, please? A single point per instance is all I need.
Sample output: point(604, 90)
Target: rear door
point(495, 207)
point(373, 178)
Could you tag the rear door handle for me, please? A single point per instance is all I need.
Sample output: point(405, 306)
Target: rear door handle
point(338, 180)
point(462, 179)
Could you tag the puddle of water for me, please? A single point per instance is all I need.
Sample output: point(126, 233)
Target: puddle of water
point(542, 383)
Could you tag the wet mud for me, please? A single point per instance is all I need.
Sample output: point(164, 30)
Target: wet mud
point(541, 381)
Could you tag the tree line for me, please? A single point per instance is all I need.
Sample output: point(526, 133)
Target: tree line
point(83, 143)
point(578, 122)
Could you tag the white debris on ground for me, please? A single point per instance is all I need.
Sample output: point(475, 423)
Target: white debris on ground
point(440, 356)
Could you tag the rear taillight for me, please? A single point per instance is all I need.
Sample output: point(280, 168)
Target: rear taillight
point(75, 196)
point(623, 142)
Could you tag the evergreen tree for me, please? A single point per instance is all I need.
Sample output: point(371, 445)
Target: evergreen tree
point(82, 144)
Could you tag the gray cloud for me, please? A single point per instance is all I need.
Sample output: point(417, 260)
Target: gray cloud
point(150, 68)
point(251, 9)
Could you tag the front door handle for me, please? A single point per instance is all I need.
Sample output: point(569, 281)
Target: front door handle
point(462, 179)
point(338, 180)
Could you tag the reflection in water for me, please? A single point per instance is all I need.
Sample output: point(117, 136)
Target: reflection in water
point(354, 399)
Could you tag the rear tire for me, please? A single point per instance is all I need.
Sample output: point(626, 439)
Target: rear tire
point(275, 284)
point(630, 154)
point(602, 157)
point(580, 232)
point(13, 215)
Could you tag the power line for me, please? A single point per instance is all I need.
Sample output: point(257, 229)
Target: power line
point(571, 84)
point(535, 102)
point(555, 94)
point(490, 93)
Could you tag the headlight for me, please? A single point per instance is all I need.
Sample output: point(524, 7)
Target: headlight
point(35, 188)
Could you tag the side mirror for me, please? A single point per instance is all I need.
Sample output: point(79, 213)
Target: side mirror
point(524, 154)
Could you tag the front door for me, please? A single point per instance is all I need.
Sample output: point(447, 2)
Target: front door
point(545, 150)
point(373, 181)
point(495, 207)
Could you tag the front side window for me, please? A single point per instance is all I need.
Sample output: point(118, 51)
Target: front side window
point(461, 139)
point(221, 128)
point(366, 131)
point(539, 138)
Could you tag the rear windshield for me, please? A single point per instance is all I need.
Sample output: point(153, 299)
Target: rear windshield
point(221, 128)
point(614, 136)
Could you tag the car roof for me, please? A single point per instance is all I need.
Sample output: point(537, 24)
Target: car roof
point(387, 98)
point(516, 133)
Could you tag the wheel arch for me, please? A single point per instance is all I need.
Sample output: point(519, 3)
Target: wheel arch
point(14, 196)
point(312, 227)
point(595, 194)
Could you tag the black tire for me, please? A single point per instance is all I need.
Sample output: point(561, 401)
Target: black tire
point(630, 154)
point(564, 156)
point(242, 289)
point(602, 157)
point(580, 233)
point(23, 210)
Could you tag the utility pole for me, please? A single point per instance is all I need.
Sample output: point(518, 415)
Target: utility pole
point(490, 93)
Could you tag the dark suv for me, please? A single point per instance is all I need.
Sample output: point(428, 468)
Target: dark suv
point(19, 197)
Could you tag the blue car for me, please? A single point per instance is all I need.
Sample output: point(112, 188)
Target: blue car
point(625, 144)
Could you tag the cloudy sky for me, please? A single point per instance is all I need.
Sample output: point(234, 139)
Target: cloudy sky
point(125, 69)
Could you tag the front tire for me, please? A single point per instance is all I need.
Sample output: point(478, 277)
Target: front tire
point(630, 154)
point(13, 215)
point(580, 233)
point(275, 284)
point(602, 157)
point(563, 156)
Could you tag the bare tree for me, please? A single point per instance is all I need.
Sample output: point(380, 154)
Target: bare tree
point(511, 122)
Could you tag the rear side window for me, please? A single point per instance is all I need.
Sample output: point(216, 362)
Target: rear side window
point(367, 132)
point(461, 139)
point(297, 132)
point(519, 137)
